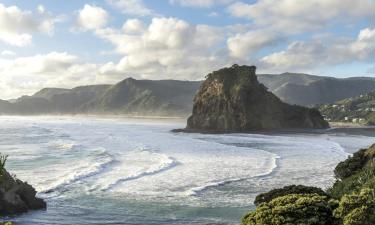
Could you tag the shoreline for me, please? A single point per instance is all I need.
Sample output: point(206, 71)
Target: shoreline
point(98, 116)
point(348, 125)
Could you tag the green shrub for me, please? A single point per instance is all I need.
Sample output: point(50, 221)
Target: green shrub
point(292, 209)
point(357, 209)
point(291, 189)
point(352, 165)
point(362, 179)
point(3, 159)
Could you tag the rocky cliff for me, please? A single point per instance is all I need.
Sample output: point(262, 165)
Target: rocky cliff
point(17, 196)
point(232, 100)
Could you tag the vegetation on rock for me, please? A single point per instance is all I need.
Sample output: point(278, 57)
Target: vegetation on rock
point(292, 209)
point(291, 189)
point(16, 196)
point(357, 208)
point(351, 200)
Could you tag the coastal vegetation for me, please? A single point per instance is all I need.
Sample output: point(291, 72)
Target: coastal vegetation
point(16, 196)
point(351, 200)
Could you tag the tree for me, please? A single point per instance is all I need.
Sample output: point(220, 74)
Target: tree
point(292, 209)
point(357, 208)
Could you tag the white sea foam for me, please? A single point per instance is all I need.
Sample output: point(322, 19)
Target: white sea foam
point(145, 160)
point(145, 163)
point(77, 171)
point(63, 145)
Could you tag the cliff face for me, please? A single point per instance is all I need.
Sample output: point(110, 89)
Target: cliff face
point(232, 100)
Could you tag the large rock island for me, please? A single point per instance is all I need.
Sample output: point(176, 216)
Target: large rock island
point(232, 100)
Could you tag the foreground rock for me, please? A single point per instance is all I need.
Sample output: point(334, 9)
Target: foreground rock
point(17, 196)
point(232, 100)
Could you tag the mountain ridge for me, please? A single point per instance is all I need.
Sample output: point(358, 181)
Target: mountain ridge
point(175, 97)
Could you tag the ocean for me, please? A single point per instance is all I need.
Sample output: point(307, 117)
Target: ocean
point(93, 170)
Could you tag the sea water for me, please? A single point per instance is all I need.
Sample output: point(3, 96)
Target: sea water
point(94, 170)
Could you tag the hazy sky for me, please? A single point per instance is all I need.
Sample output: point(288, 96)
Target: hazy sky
point(74, 42)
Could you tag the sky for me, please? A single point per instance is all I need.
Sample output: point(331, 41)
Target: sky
point(69, 43)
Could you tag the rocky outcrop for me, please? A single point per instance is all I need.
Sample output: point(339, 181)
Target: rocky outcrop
point(232, 100)
point(17, 196)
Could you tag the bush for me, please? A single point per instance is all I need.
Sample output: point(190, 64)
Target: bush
point(3, 159)
point(292, 209)
point(291, 189)
point(362, 179)
point(352, 165)
point(357, 209)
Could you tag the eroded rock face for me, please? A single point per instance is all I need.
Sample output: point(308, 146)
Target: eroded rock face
point(232, 100)
point(17, 196)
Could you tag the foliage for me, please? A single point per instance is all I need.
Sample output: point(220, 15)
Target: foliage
point(291, 189)
point(6, 223)
point(292, 209)
point(363, 179)
point(357, 209)
point(3, 159)
point(352, 165)
point(356, 173)
point(352, 198)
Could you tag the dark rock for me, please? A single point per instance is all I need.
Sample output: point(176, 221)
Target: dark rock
point(287, 190)
point(17, 196)
point(232, 100)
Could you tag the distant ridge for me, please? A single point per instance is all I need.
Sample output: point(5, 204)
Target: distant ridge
point(174, 97)
point(303, 89)
point(130, 96)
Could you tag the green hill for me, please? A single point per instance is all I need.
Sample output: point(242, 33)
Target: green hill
point(360, 109)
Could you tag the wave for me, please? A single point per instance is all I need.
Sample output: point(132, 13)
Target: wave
point(166, 163)
point(198, 190)
point(81, 172)
point(64, 145)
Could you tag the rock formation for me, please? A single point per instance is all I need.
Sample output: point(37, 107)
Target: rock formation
point(17, 196)
point(232, 100)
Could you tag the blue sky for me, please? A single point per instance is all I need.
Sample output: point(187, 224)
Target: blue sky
point(70, 43)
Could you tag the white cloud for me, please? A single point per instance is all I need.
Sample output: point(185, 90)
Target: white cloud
point(199, 3)
point(213, 14)
point(166, 48)
point(41, 9)
point(92, 17)
point(17, 26)
point(132, 7)
point(26, 75)
point(7, 53)
point(132, 26)
point(244, 44)
point(311, 54)
point(293, 16)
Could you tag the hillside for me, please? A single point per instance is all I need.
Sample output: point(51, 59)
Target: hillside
point(146, 97)
point(130, 96)
point(174, 98)
point(232, 100)
point(303, 89)
point(360, 109)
